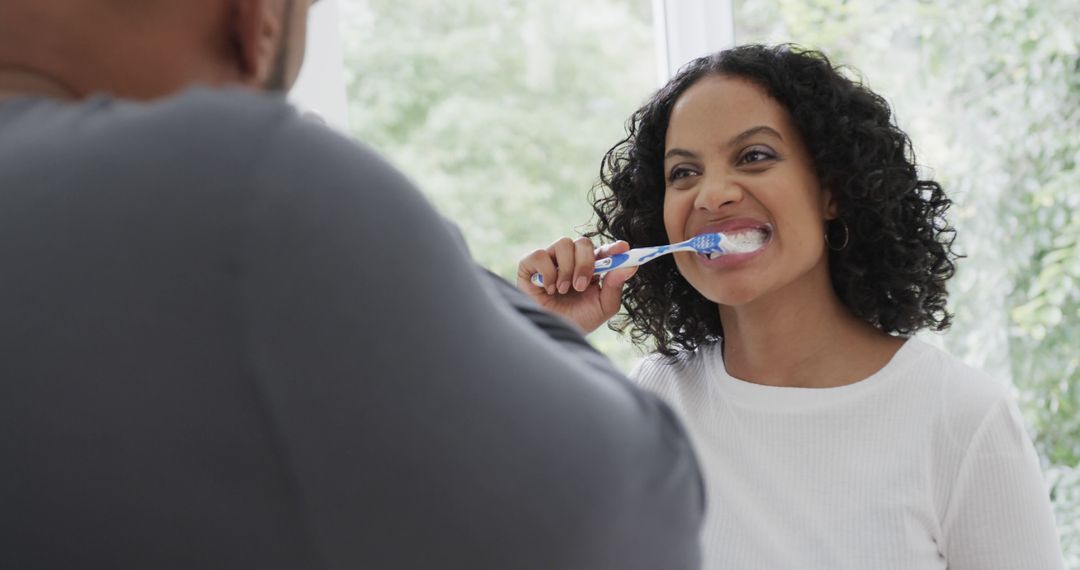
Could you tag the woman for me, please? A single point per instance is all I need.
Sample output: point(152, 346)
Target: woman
point(829, 438)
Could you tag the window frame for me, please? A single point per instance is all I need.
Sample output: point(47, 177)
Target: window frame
point(688, 29)
point(320, 88)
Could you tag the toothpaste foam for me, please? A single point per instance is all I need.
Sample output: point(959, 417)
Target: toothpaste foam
point(743, 242)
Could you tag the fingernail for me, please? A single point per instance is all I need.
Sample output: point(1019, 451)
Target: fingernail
point(551, 290)
point(564, 287)
point(581, 283)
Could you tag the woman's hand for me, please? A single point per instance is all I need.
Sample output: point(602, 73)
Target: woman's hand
point(570, 289)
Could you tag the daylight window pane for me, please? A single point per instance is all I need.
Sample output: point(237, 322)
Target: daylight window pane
point(500, 110)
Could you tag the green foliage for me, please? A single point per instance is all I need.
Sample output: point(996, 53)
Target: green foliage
point(501, 110)
point(990, 92)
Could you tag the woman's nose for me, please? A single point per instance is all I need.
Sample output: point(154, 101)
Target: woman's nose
point(718, 192)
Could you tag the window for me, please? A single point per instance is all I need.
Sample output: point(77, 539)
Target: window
point(503, 120)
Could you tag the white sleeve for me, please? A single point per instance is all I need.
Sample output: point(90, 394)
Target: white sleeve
point(999, 516)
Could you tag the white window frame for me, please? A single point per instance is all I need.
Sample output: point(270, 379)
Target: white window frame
point(688, 29)
point(684, 30)
point(321, 85)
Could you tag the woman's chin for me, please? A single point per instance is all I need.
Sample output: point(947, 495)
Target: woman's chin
point(733, 296)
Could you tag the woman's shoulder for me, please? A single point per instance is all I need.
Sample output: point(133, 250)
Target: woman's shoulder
point(659, 373)
point(951, 375)
point(966, 396)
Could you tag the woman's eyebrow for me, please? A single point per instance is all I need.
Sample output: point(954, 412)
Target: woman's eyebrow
point(758, 130)
point(679, 152)
point(737, 139)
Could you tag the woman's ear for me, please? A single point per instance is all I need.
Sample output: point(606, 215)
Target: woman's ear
point(257, 28)
point(830, 207)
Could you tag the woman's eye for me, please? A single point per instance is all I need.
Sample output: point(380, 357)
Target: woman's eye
point(679, 173)
point(755, 155)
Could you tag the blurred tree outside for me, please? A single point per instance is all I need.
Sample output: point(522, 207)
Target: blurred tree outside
point(500, 109)
point(989, 91)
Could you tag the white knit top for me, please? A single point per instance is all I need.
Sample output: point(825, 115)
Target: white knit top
point(923, 465)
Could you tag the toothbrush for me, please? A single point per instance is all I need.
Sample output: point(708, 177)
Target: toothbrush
point(704, 244)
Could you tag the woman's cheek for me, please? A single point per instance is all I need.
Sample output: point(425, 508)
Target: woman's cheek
point(675, 214)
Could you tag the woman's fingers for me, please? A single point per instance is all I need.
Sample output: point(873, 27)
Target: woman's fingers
point(584, 258)
point(567, 264)
point(538, 261)
point(563, 251)
point(612, 249)
point(611, 290)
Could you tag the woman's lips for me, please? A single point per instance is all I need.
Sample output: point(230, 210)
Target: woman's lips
point(734, 225)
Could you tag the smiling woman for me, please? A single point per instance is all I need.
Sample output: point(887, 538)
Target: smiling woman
point(855, 170)
point(722, 171)
point(829, 437)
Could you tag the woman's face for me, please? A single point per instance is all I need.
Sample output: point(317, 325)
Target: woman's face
point(734, 163)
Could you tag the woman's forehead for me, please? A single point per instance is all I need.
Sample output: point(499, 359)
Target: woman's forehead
point(723, 106)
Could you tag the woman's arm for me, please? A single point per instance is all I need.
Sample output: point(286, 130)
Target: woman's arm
point(999, 514)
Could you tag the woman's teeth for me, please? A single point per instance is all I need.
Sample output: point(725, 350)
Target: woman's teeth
point(745, 241)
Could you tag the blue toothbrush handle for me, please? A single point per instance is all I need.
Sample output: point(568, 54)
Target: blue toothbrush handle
point(703, 244)
point(599, 268)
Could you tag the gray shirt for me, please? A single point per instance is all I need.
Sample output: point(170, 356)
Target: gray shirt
point(233, 339)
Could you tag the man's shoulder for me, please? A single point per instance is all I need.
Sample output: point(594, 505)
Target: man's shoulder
point(219, 125)
point(207, 116)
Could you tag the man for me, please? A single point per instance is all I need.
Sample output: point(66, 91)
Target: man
point(233, 339)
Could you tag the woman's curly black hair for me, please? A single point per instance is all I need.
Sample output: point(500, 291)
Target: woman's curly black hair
point(898, 256)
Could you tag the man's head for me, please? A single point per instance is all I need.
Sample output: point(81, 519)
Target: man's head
point(145, 49)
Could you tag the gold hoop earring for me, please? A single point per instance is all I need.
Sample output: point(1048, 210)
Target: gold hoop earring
point(847, 236)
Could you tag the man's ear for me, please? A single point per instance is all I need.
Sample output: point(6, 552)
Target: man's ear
point(257, 27)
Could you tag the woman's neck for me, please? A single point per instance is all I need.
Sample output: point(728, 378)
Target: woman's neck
point(802, 336)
